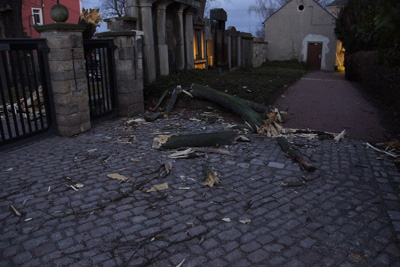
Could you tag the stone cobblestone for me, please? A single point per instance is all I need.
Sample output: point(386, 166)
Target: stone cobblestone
point(347, 214)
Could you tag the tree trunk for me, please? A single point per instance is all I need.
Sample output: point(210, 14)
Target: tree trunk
point(234, 104)
point(195, 140)
point(11, 19)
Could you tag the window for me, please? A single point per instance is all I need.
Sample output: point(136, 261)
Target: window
point(37, 17)
point(301, 7)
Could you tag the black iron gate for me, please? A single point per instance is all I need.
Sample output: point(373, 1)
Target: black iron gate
point(24, 89)
point(100, 72)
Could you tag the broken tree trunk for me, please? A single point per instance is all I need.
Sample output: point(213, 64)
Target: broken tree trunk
point(172, 101)
point(153, 117)
point(161, 99)
point(253, 118)
point(295, 154)
point(194, 140)
point(255, 106)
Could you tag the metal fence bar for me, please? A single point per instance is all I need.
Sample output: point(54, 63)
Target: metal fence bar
point(31, 86)
point(105, 78)
point(99, 73)
point(4, 73)
point(24, 80)
point(23, 76)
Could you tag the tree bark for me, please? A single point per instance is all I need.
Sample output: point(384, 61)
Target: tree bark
point(11, 19)
point(195, 140)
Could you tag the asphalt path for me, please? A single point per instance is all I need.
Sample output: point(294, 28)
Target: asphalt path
point(326, 101)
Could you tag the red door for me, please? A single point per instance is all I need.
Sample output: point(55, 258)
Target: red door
point(314, 56)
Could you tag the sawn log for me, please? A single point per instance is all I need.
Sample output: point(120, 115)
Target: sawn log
point(194, 140)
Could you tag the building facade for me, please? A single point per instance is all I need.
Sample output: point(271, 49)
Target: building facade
point(37, 12)
point(302, 30)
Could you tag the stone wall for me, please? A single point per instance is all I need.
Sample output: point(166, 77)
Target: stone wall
point(259, 53)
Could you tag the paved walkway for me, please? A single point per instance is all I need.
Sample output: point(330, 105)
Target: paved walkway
point(326, 101)
point(347, 213)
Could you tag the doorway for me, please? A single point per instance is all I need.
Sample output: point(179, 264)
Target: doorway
point(314, 56)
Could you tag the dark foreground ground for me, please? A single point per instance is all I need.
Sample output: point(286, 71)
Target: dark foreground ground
point(347, 212)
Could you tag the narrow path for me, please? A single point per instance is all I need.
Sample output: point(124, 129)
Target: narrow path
point(326, 101)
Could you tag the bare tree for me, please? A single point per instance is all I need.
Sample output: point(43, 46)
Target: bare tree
point(10, 19)
point(113, 8)
point(265, 8)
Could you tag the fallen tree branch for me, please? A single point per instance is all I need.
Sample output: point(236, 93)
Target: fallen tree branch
point(161, 99)
point(153, 117)
point(381, 151)
point(194, 140)
point(232, 103)
point(173, 99)
point(295, 154)
point(213, 150)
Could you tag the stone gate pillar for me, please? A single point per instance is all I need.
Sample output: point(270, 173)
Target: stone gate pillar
point(68, 76)
point(129, 70)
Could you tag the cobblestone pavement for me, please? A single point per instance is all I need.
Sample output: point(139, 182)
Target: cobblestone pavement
point(347, 213)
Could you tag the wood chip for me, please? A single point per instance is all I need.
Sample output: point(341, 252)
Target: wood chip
point(158, 187)
point(339, 136)
point(16, 212)
point(226, 219)
point(245, 221)
point(117, 176)
point(212, 178)
point(180, 264)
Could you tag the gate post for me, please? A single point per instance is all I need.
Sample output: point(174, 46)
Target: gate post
point(129, 68)
point(68, 76)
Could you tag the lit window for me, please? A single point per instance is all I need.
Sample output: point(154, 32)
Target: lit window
point(37, 17)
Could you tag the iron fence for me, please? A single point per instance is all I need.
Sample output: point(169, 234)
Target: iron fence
point(100, 73)
point(24, 89)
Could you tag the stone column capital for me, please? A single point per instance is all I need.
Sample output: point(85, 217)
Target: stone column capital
point(162, 5)
point(146, 3)
point(180, 8)
point(189, 11)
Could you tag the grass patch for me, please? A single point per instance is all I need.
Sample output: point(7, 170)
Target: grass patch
point(261, 85)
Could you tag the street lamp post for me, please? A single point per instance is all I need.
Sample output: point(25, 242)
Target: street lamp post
point(30, 24)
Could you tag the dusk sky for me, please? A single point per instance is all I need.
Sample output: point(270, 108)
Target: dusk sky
point(236, 9)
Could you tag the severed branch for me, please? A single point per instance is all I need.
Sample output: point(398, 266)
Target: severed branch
point(295, 154)
point(161, 99)
point(381, 151)
point(194, 140)
point(173, 99)
point(254, 119)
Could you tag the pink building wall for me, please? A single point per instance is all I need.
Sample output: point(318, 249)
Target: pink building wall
point(74, 8)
